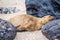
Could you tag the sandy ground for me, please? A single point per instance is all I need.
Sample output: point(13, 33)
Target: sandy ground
point(36, 35)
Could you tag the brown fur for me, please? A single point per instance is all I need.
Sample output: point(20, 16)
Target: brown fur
point(30, 23)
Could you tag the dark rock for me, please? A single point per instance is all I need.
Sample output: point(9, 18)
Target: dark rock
point(8, 10)
point(39, 8)
point(52, 30)
point(56, 6)
point(7, 30)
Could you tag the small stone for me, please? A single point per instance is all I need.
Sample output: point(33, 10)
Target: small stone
point(7, 31)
